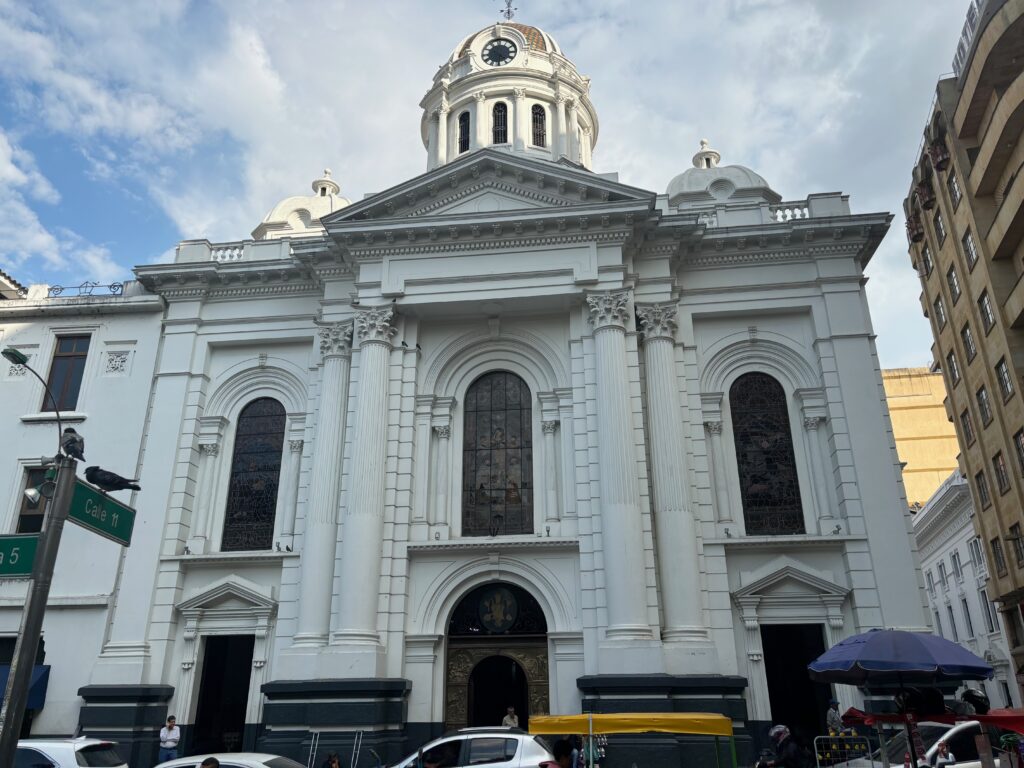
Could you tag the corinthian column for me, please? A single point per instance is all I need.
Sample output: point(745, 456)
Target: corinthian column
point(481, 121)
point(818, 477)
point(441, 500)
point(550, 472)
point(321, 531)
point(674, 522)
point(442, 135)
point(621, 526)
point(364, 512)
point(200, 538)
point(558, 142)
point(722, 503)
point(520, 124)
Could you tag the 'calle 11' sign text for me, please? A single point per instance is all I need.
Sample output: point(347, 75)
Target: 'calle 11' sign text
point(101, 514)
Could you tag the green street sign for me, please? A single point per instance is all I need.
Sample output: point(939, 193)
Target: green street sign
point(17, 553)
point(101, 514)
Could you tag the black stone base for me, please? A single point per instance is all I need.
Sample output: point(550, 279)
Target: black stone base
point(131, 715)
point(295, 711)
point(718, 694)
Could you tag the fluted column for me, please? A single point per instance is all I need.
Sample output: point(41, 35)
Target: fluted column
point(201, 520)
point(288, 497)
point(364, 512)
point(818, 478)
point(441, 497)
point(321, 532)
point(442, 135)
point(722, 504)
point(481, 121)
point(621, 525)
point(520, 126)
point(550, 472)
point(559, 138)
point(675, 525)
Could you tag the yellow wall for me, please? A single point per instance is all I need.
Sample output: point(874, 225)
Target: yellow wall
point(925, 439)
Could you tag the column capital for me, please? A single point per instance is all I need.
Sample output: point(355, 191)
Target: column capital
point(658, 321)
point(811, 423)
point(519, 93)
point(335, 339)
point(374, 325)
point(713, 427)
point(209, 449)
point(443, 432)
point(295, 446)
point(548, 427)
point(609, 309)
point(479, 95)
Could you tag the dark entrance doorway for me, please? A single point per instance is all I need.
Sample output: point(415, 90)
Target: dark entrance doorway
point(495, 684)
point(796, 700)
point(223, 694)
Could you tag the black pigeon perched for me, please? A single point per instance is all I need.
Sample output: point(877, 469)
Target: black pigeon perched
point(73, 444)
point(108, 481)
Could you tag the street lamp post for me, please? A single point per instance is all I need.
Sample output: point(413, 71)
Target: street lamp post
point(19, 677)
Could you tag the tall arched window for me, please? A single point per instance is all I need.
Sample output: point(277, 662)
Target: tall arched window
point(540, 133)
point(497, 457)
point(499, 123)
point(464, 132)
point(255, 472)
point(769, 487)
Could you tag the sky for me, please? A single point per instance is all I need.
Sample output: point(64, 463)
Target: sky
point(126, 127)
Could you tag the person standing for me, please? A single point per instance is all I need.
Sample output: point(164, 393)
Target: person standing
point(511, 719)
point(170, 735)
point(833, 719)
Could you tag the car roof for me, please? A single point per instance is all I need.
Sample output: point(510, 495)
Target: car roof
point(488, 729)
point(259, 757)
point(81, 741)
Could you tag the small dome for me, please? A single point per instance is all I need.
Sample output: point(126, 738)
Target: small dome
point(708, 181)
point(300, 215)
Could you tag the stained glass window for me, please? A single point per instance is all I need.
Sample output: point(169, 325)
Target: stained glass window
point(497, 457)
point(255, 472)
point(497, 609)
point(769, 487)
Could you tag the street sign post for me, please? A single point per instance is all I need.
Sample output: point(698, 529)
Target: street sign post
point(17, 554)
point(101, 514)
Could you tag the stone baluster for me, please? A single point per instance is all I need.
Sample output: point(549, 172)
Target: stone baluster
point(675, 524)
point(812, 441)
point(723, 505)
point(621, 525)
point(443, 457)
point(321, 531)
point(520, 120)
point(550, 472)
point(288, 496)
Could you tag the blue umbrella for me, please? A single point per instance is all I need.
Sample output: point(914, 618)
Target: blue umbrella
point(895, 656)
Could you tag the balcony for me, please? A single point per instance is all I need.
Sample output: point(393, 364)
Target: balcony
point(1008, 226)
point(925, 194)
point(915, 229)
point(1013, 307)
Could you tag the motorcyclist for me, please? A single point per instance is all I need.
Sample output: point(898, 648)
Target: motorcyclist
point(787, 752)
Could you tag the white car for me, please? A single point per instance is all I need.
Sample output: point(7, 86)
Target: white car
point(234, 760)
point(959, 739)
point(495, 747)
point(67, 753)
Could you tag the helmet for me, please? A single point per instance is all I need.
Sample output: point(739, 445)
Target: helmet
point(976, 699)
point(778, 733)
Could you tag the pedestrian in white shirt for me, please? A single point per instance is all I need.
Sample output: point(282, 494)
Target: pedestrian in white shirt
point(170, 735)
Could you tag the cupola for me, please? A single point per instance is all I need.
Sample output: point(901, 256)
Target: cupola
point(300, 215)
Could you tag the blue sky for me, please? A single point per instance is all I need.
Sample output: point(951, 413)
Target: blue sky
point(127, 127)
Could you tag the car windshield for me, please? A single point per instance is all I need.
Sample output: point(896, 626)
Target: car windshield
point(282, 762)
point(896, 744)
point(98, 756)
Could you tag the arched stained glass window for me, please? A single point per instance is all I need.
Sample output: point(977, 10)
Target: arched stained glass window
point(497, 457)
point(255, 472)
point(769, 488)
point(540, 133)
point(499, 123)
point(464, 132)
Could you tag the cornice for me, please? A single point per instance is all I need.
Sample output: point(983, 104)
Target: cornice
point(81, 306)
point(493, 544)
point(213, 280)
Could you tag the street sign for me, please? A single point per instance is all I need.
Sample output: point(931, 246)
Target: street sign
point(101, 514)
point(17, 553)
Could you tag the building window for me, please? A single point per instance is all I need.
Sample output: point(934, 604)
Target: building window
point(66, 372)
point(499, 123)
point(987, 611)
point(940, 227)
point(967, 426)
point(30, 518)
point(981, 483)
point(1018, 445)
point(540, 133)
point(942, 576)
point(958, 568)
point(952, 369)
point(954, 284)
point(938, 622)
point(988, 316)
point(954, 189)
point(1002, 476)
point(968, 624)
point(955, 636)
point(977, 557)
point(464, 132)
point(930, 581)
point(1018, 543)
point(1005, 379)
point(769, 487)
point(926, 260)
point(970, 249)
point(255, 473)
point(497, 457)
point(984, 406)
point(998, 558)
point(940, 313)
point(968, 339)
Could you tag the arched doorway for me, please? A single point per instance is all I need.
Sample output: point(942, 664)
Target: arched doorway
point(497, 657)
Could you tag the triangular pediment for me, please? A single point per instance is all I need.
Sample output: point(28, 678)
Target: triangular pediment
point(790, 581)
point(231, 593)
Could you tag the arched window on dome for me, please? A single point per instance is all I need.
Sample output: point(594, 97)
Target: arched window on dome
point(255, 475)
point(497, 457)
point(769, 487)
point(464, 132)
point(540, 132)
point(499, 123)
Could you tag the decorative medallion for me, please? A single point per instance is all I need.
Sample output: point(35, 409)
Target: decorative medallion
point(498, 610)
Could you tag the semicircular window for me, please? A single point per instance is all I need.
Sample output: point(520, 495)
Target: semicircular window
point(255, 474)
point(497, 457)
point(497, 609)
point(769, 487)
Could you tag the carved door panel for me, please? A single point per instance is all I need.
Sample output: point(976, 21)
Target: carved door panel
point(463, 656)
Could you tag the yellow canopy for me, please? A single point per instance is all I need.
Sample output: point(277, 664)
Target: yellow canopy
point(698, 723)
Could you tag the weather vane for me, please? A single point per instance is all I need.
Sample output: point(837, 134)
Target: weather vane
point(509, 11)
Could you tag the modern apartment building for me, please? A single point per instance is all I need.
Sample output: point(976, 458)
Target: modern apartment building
point(965, 223)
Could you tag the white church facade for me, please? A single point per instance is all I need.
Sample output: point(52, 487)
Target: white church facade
point(510, 432)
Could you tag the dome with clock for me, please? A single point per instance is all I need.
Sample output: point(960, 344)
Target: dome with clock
point(510, 87)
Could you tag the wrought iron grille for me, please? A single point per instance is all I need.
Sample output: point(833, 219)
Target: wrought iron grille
point(497, 457)
point(255, 473)
point(464, 132)
point(497, 609)
point(500, 123)
point(769, 487)
point(539, 126)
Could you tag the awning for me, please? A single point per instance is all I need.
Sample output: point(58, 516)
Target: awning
point(36, 689)
point(1007, 719)
point(634, 722)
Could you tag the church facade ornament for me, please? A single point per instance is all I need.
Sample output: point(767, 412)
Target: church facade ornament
point(374, 325)
point(657, 321)
point(609, 309)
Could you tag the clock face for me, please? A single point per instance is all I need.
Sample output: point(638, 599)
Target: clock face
point(499, 52)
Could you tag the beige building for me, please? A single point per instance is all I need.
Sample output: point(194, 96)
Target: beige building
point(925, 439)
point(965, 221)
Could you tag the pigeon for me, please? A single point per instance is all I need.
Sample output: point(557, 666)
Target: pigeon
point(73, 444)
point(108, 481)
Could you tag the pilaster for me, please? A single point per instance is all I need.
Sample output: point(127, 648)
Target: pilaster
point(520, 124)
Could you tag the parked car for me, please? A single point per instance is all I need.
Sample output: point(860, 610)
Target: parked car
point(234, 760)
point(497, 747)
point(959, 738)
point(67, 753)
